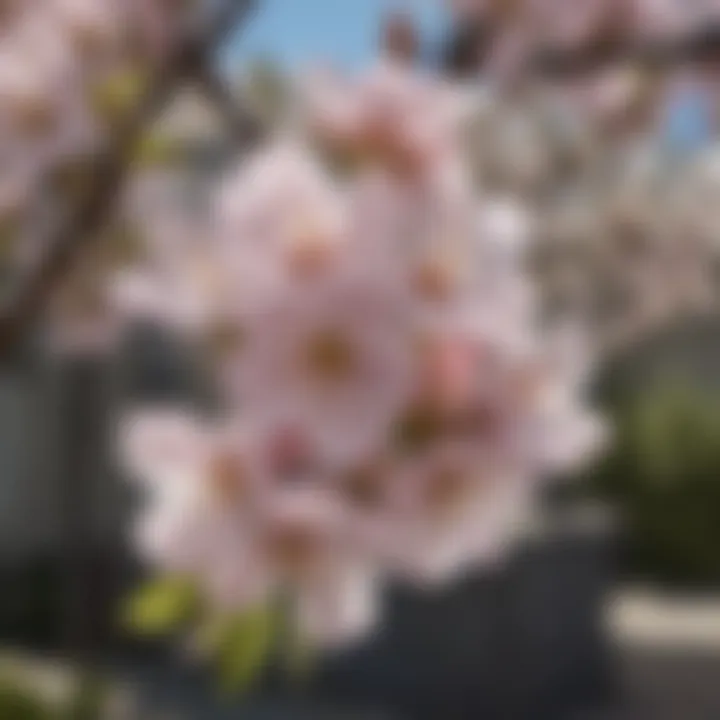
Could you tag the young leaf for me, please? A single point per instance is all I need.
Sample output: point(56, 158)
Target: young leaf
point(112, 99)
point(19, 702)
point(244, 651)
point(160, 606)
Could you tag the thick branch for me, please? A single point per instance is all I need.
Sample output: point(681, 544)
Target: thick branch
point(193, 51)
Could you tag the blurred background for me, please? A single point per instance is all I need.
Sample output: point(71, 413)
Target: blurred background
point(609, 132)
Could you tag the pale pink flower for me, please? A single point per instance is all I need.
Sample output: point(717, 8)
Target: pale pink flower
point(419, 237)
point(564, 435)
point(522, 399)
point(303, 537)
point(282, 220)
point(460, 511)
point(213, 514)
point(394, 117)
point(44, 116)
point(204, 483)
point(279, 226)
point(335, 358)
point(157, 446)
point(490, 424)
point(554, 432)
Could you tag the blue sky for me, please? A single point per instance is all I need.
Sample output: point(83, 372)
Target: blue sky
point(299, 32)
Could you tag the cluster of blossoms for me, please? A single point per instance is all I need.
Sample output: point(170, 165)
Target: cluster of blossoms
point(389, 402)
point(625, 235)
point(633, 256)
point(55, 58)
point(70, 70)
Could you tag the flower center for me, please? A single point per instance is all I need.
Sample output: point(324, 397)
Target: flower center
point(420, 426)
point(310, 249)
point(482, 421)
point(294, 549)
point(228, 479)
point(446, 489)
point(331, 356)
point(435, 279)
point(365, 487)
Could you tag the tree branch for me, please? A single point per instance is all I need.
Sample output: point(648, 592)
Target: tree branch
point(470, 45)
point(193, 51)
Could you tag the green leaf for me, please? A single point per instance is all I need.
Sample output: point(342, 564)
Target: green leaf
point(160, 606)
point(156, 150)
point(245, 647)
point(19, 702)
point(117, 93)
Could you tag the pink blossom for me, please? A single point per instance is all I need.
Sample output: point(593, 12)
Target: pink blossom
point(335, 358)
point(419, 237)
point(44, 116)
point(204, 483)
point(393, 117)
point(460, 511)
point(281, 218)
point(213, 514)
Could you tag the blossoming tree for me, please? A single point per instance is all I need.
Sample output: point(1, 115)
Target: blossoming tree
point(389, 404)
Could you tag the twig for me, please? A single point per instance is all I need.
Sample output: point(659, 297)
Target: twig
point(243, 125)
point(470, 45)
point(192, 52)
